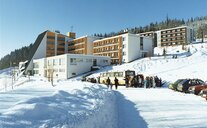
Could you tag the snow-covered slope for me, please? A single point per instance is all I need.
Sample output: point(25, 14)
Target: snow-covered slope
point(68, 104)
point(187, 65)
point(74, 104)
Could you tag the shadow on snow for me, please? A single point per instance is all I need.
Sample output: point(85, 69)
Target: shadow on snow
point(128, 114)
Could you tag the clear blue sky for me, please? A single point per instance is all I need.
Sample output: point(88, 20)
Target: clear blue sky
point(22, 20)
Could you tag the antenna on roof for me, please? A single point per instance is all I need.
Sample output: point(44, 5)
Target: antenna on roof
point(71, 28)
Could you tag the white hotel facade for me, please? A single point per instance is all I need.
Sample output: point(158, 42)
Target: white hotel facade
point(67, 65)
point(124, 48)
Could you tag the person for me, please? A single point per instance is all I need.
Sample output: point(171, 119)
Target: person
point(140, 81)
point(135, 82)
point(98, 79)
point(108, 82)
point(153, 82)
point(145, 82)
point(160, 82)
point(116, 81)
point(127, 81)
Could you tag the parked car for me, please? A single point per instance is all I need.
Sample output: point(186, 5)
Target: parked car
point(174, 85)
point(196, 89)
point(185, 84)
point(203, 93)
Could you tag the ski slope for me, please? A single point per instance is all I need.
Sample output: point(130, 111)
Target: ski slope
point(75, 104)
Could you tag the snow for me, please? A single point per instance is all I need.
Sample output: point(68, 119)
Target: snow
point(41, 105)
point(161, 108)
point(74, 104)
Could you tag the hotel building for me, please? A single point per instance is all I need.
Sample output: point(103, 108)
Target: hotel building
point(82, 45)
point(123, 48)
point(67, 65)
point(151, 34)
point(48, 44)
point(175, 36)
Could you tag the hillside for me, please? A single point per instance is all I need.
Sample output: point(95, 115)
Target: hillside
point(187, 65)
point(72, 103)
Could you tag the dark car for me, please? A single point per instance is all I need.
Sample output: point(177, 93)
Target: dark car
point(174, 85)
point(196, 89)
point(185, 84)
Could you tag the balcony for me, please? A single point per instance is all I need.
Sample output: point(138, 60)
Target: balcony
point(71, 43)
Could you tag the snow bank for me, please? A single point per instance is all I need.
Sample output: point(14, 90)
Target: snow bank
point(90, 107)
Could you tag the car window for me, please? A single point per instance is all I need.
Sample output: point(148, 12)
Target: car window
point(183, 81)
point(200, 82)
point(178, 81)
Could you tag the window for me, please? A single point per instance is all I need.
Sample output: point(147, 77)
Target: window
point(55, 62)
point(55, 70)
point(123, 39)
point(111, 74)
point(73, 74)
point(61, 38)
point(61, 61)
point(36, 65)
point(79, 60)
point(141, 43)
point(105, 61)
point(50, 42)
point(49, 63)
point(88, 60)
point(116, 74)
point(124, 46)
point(36, 71)
point(124, 53)
point(120, 74)
point(50, 37)
point(73, 61)
point(61, 70)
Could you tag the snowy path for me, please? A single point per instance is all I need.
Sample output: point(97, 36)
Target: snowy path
point(128, 115)
point(160, 108)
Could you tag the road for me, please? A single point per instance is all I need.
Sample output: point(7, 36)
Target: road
point(160, 108)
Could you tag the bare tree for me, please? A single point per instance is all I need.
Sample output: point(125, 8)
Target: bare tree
point(50, 71)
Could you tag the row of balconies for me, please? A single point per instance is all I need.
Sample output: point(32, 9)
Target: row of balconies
point(173, 30)
point(61, 39)
point(75, 51)
point(60, 46)
point(107, 42)
point(107, 48)
point(170, 39)
point(76, 46)
point(173, 35)
point(166, 33)
point(172, 43)
point(104, 44)
point(111, 54)
point(98, 50)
